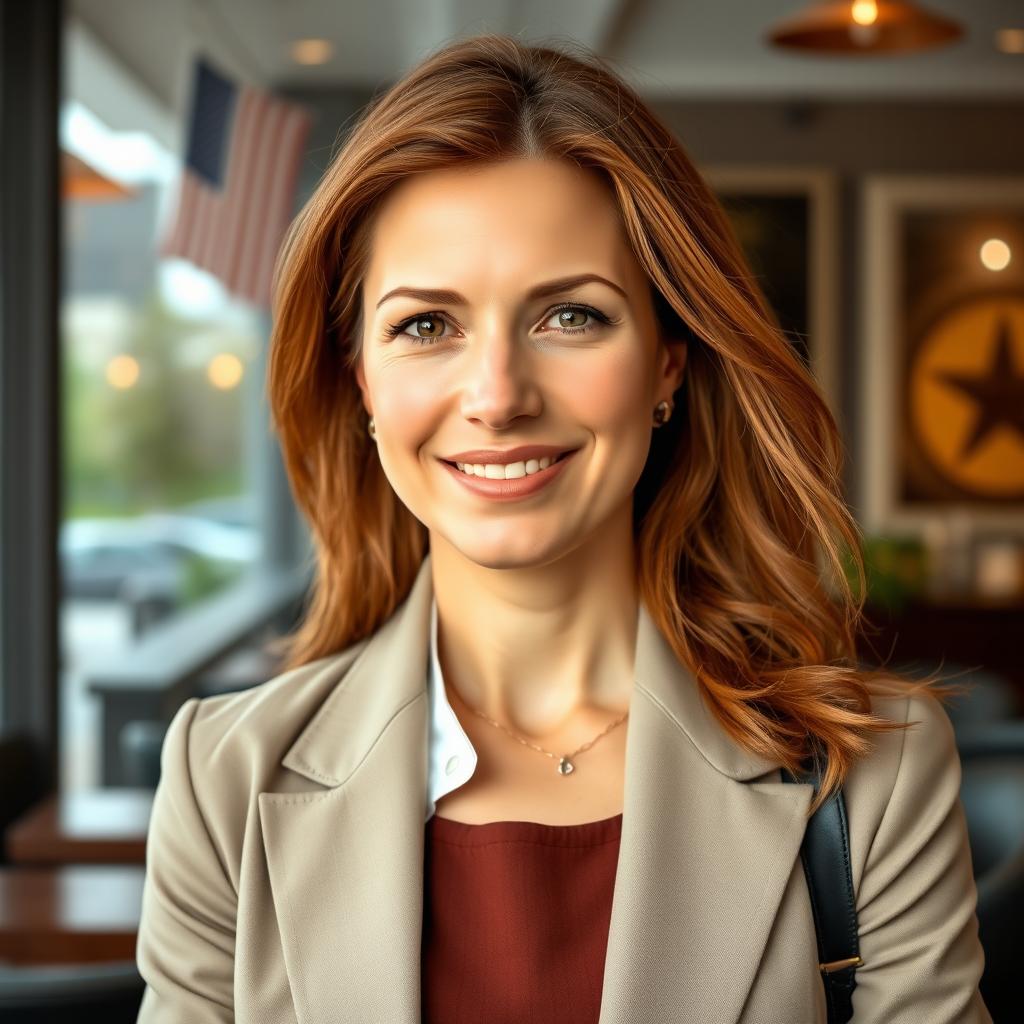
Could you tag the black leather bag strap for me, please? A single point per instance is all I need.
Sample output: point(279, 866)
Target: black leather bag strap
point(825, 853)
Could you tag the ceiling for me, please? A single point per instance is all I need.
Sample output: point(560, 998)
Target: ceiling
point(667, 48)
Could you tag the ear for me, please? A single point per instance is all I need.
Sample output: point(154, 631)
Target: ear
point(673, 363)
point(361, 381)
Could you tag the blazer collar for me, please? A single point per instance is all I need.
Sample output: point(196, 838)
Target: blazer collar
point(452, 758)
point(388, 674)
point(710, 837)
point(357, 710)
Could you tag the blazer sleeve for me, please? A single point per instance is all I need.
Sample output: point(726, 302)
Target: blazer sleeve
point(186, 942)
point(917, 899)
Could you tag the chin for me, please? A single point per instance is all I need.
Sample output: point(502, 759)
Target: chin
point(521, 552)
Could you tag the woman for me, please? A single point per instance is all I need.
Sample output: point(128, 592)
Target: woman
point(580, 598)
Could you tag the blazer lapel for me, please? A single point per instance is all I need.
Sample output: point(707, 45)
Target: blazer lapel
point(709, 839)
point(707, 847)
point(346, 863)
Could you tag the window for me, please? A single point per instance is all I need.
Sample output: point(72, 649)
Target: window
point(162, 374)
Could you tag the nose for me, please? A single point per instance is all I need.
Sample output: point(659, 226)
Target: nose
point(500, 382)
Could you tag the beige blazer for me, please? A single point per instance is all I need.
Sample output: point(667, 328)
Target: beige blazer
point(284, 859)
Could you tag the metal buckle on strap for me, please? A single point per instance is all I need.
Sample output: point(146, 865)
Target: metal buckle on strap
point(839, 965)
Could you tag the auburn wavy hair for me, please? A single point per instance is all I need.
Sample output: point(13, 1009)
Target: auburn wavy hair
point(742, 536)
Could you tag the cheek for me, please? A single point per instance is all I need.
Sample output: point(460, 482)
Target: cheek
point(404, 402)
point(405, 414)
point(608, 393)
point(611, 398)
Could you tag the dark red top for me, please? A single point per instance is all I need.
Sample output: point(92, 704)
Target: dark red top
point(515, 920)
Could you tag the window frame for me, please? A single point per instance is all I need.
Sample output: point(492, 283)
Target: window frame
point(152, 677)
point(30, 232)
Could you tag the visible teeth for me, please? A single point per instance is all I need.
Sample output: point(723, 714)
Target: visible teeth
point(511, 471)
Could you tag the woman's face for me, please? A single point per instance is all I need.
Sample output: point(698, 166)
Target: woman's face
point(495, 364)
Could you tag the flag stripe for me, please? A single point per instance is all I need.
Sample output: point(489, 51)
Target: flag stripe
point(255, 210)
point(234, 229)
point(279, 201)
point(249, 205)
point(207, 202)
point(265, 220)
point(175, 226)
point(191, 201)
point(247, 138)
point(293, 154)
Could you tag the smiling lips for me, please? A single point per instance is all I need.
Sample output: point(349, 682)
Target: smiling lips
point(509, 474)
point(485, 456)
point(507, 464)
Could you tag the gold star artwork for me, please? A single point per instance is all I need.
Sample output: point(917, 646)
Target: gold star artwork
point(966, 396)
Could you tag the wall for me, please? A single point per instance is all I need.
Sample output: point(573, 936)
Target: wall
point(854, 139)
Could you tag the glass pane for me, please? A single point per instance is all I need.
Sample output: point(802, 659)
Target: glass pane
point(159, 366)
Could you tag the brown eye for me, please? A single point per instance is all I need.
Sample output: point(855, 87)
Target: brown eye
point(572, 317)
point(434, 326)
point(428, 325)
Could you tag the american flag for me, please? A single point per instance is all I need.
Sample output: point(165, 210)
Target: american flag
point(237, 187)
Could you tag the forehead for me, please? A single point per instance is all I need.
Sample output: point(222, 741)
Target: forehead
point(497, 224)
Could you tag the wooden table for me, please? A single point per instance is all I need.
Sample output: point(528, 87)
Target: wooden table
point(82, 913)
point(105, 826)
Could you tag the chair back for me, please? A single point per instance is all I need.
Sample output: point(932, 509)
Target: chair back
point(110, 993)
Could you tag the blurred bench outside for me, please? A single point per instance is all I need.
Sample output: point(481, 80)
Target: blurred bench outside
point(150, 680)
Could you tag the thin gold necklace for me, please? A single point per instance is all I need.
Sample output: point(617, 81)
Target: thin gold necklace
point(565, 764)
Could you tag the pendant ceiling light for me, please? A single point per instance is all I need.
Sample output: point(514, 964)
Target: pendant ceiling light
point(866, 26)
point(80, 181)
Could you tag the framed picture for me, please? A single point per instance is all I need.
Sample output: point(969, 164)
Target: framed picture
point(787, 222)
point(941, 387)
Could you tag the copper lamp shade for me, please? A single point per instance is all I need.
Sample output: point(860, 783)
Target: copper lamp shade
point(896, 26)
point(80, 181)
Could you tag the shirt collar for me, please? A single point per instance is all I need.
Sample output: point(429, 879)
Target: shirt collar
point(451, 756)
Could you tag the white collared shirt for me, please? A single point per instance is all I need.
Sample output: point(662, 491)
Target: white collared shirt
point(451, 758)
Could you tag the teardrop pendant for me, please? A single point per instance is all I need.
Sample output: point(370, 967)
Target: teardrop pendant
point(565, 766)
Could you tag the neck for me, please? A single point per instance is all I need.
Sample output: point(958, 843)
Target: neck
point(543, 649)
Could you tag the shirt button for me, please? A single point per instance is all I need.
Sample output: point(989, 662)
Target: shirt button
point(452, 764)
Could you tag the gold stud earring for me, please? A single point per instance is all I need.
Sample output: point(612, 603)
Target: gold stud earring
point(371, 429)
point(662, 412)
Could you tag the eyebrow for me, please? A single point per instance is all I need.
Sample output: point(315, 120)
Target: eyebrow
point(446, 297)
